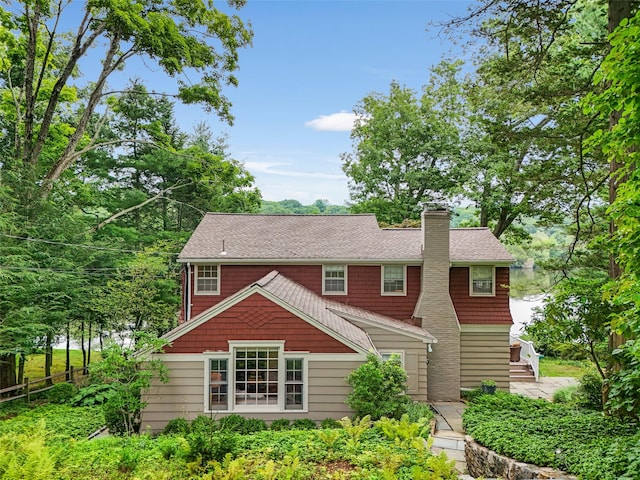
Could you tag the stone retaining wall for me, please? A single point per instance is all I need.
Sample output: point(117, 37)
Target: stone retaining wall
point(484, 462)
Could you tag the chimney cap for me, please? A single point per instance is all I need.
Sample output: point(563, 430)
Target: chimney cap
point(434, 206)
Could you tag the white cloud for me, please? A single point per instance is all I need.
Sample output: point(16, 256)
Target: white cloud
point(285, 170)
point(335, 122)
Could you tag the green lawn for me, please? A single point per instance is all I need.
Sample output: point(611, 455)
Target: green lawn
point(556, 367)
point(34, 366)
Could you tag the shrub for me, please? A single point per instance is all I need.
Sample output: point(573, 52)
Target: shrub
point(202, 422)
point(118, 420)
point(244, 426)
point(566, 395)
point(419, 410)
point(303, 424)
point(26, 455)
point(281, 424)
point(178, 426)
point(330, 423)
point(379, 388)
point(95, 394)
point(589, 393)
point(62, 393)
point(213, 445)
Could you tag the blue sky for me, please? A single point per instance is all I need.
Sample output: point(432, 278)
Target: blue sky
point(310, 63)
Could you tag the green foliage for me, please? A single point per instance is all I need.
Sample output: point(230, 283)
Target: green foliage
point(418, 411)
point(379, 388)
point(178, 426)
point(589, 393)
point(319, 207)
point(573, 323)
point(205, 446)
point(239, 424)
point(390, 174)
point(26, 455)
point(130, 371)
point(577, 441)
point(64, 420)
point(565, 395)
point(94, 394)
point(62, 392)
point(303, 424)
point(330, 423)
point(361, 450)
point(280, 424)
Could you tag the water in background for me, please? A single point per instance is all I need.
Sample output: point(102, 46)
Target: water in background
point(527, 293)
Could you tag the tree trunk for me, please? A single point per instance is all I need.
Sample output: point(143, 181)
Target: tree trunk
point(84, 350)
point(7, 370)
point(617, 10)
point(67, 360)
point(21, 362)
point(48, 359)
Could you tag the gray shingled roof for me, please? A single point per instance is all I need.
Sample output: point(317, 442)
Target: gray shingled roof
point(329, 314)
point(314, 306)
point(262, 238)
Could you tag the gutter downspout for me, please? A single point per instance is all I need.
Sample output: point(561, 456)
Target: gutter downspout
point(187, 300)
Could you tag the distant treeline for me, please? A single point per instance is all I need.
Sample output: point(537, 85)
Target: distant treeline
point(319, 207)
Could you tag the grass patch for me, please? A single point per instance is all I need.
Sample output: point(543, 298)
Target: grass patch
point(557, 367)
point(34, 366)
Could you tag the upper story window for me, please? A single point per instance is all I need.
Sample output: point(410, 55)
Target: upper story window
point(207, 279)
point(483, 280)
point(334, 279)
point(394, 280)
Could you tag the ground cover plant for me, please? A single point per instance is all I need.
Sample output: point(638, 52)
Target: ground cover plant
point(579, 441)
point(50, 442)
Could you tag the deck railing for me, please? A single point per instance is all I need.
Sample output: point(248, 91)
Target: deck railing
point(30, 387)
point(528, 354)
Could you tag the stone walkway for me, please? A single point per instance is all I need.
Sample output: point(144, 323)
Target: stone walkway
point(449, 434)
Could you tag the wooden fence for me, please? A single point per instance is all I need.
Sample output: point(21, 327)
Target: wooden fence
point(30, 387)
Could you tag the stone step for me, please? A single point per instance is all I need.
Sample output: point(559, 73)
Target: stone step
point(522, 378)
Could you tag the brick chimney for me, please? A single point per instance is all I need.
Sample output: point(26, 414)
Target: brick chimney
point(435, 308)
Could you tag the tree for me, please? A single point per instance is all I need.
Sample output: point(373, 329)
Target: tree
point(41, 62)
point(620, 73)
point(51, 117)
point(405, 152)
point(130, 371)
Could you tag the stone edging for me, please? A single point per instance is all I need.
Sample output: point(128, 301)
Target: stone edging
point(484, 462)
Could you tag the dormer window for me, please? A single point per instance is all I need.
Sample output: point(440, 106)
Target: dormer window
point(483, 280)
point(207, 279)
point(334, 280)
point(394, 280)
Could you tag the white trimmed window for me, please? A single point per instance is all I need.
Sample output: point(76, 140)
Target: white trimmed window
point(207, 279)
point(482, 280)
point(388, 355)
point(218, 384)
point(334, 279)
point(394, 280)
point(264, 379)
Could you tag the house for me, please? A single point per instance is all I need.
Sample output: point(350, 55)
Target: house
point(278, 309)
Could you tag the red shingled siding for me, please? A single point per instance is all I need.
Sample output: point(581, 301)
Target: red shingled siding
point(256, 318)
point(363, 287)
point(480, 310)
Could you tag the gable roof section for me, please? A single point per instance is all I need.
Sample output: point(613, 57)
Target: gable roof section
point(260, 238)
point(321, 313)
